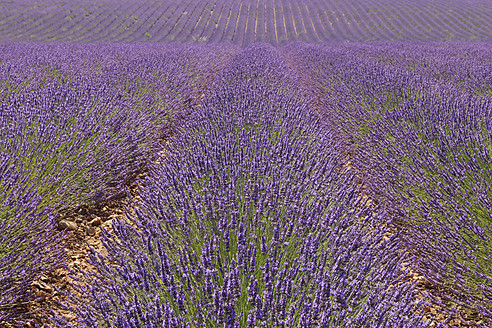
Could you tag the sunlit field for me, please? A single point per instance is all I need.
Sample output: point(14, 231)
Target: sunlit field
point(269, 163)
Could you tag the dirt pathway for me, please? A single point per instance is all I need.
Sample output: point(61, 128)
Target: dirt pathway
point(84, 227)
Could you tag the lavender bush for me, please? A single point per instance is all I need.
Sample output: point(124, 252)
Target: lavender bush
point(250, 221)
point(419, 128)
point(115, 116)
point(73, 134)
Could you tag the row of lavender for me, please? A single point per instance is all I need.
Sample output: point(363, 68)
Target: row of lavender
point(417, 120)
point(245, 22)
point(251, 220)
point(75, 124)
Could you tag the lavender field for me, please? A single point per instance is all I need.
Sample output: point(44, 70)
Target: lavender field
point(268, 163)
point(244, 22)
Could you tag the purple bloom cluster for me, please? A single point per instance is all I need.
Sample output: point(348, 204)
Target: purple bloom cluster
point(87, 130)
point(418, 120)
point(75, 124)
point(251, 221)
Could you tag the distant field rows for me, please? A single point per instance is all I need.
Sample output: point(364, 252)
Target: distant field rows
point(244, 22)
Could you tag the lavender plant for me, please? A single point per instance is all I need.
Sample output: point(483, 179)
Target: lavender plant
point(251, 221)
point(72, 135)
point(114, 119)
point(419, 128)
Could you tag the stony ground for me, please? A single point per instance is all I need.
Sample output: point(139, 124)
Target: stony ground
point(84, 226)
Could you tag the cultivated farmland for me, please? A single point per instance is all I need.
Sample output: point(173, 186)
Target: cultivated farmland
point(244, 22)
point(266, 163)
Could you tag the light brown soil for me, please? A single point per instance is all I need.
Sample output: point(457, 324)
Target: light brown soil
point(76, 245)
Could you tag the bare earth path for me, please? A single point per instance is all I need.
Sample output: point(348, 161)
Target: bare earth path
point(89, 222)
